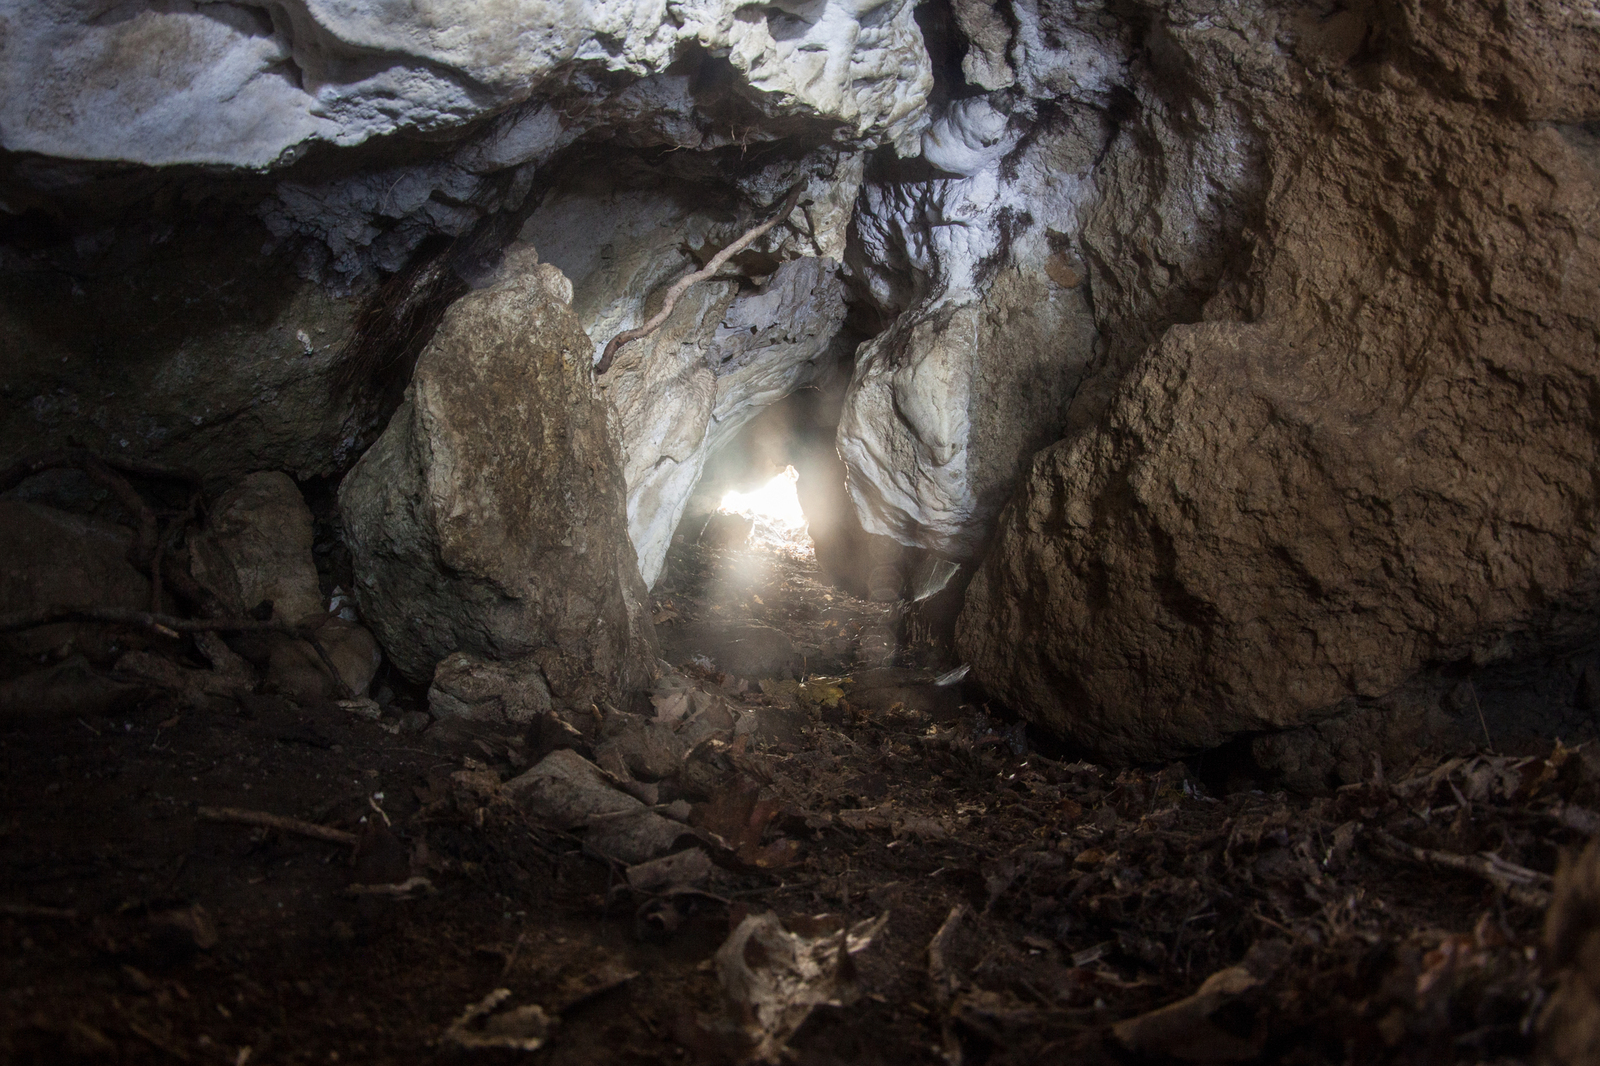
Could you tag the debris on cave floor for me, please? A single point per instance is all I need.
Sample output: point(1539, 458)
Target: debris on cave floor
point(828, 859)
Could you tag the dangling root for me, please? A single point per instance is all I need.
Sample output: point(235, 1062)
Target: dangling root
point(681, 286)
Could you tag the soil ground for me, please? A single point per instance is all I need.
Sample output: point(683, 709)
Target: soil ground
point(1034, 901)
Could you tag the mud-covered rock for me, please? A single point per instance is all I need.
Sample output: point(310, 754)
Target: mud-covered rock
point(256, 546)
point(56, 559)
point(1375, 453)
point(509, 693)
point(569, 792)
point(488, 519)
point(294, 668)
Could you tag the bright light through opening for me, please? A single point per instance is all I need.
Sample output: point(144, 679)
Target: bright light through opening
point(777, 523)
point(774, 503)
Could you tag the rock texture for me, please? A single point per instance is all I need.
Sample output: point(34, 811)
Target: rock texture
point(466, 688)
point(488, 519)
point(256, 546)
point(730, 348)
point(51, 558)
point(1374, 451)
point(990, 329)
point(1297, 299)
point(257, 84)
point(487, 95)
point(179, 344)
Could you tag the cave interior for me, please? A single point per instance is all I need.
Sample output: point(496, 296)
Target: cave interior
point(960, 532)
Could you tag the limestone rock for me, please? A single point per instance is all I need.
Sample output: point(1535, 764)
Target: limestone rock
point(640, 749)
point(497, 693)
point(488, 519)
point(256, 546)
point(295, 669)
point(727, 351)
point(1374, 454)
point(51, 558)
point(186, 348)
point(974, 373)
point(988, 39)
point(245, 86)
point(570, 792)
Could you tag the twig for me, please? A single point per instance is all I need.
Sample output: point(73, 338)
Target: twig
point(1515, 881)
point(28, 910)
point(156, 1041)
point(240, 816)
point(171, 625)
point(682, 284)
point(946, 983)
point(511, 956)
point(939, 975)
point(1488, 742)
point(402, 888)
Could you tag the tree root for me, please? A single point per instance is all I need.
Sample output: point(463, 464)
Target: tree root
point(261, 819)
point(170, 626)
point(144, 554)
point(1515, 881)
point(150, 546)
point(681, 286)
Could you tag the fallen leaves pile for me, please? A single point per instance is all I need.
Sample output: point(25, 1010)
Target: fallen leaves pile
point(842, 867)
point(1102, 914)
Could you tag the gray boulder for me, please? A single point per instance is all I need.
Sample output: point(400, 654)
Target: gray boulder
point(488, 518)
point(470, 689)
point(257, 546)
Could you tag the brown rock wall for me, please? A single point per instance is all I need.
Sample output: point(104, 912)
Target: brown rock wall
point(1374, 453)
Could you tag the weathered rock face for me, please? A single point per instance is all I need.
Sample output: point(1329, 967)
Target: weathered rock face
point(991, 328)
point(488, 519)
point(54, 559)
point(257, 546)
point(139, 343)
point(729, 349)
point(488, 96)
point(1305, 295)
point(510, 694)
point(249, 85)
point(1374, 453)
point(464, 109)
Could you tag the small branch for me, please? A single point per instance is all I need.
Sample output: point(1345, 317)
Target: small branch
point(944, 980)
point(240, 816)
point(682, 284)
point(402, 888)
point(1515, 881)
point(170, 624)
point(28, 910)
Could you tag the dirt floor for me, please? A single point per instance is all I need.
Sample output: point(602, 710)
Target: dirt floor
point(903, 878)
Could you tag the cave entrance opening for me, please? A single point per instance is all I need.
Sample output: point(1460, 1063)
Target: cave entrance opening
point(773, 509)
